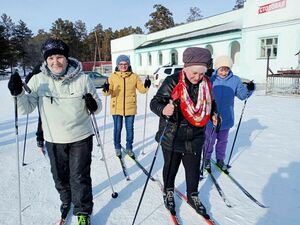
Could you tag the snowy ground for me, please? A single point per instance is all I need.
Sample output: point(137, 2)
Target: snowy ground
point(266, 161)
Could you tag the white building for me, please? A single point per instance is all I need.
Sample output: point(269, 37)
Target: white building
point(247, 35)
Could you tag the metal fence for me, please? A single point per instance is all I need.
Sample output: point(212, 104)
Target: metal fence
point(287, 82)
point(284, 82)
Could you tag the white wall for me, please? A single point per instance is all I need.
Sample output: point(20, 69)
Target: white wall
point(253, 18)
point(126, 46)
point(283, 23)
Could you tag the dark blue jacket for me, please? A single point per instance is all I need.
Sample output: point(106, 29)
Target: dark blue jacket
point(224, 90)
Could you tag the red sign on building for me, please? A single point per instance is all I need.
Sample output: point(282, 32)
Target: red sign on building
point(272, 6)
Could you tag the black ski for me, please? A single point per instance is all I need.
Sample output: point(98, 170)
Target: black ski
point(124, 168)
point(240, 186)
point(221, 193)
point(183, 197)
point(174, 218)
point(139, 165)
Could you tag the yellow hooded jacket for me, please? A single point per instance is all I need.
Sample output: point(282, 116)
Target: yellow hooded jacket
point(122, 88)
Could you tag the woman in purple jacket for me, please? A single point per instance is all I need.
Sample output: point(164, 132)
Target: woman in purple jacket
point(225, 86)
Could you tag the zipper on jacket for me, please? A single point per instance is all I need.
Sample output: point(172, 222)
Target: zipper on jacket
point(124, 97)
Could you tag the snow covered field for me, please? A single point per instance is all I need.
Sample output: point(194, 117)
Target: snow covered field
point(266, 161)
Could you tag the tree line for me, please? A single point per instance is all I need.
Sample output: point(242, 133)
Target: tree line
point(19, 47)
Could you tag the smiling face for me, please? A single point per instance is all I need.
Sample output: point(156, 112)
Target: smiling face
point(123, 66)
point(195, 73)
point(223, 71)
point(57, 63)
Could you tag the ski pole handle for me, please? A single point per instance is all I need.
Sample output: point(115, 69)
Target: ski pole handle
point(26, 88)
point(170, 102)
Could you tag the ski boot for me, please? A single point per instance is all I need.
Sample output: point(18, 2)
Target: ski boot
point(221, 165)
point(64, 209)
point(83, 219)
point(118, 153)
point(195, 202)
point(169, 200)
point(130, 153)
point(207, 165)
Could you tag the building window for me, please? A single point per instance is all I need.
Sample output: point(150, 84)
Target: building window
point(268, 46)
point(160, 58)
point(149, 59)
point(174, 57)
point(210, 48)
point(234, 50)
point(140, 60)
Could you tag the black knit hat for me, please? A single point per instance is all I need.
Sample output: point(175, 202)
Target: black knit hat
point(196, 56)
point(55, 47)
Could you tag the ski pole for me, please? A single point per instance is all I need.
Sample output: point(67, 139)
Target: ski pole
point(145, 118)
point(18, 160)
point(151, 167)
point(237, 130)
point(28, 90)
point(96, 130)
point(206, 149)
point(25, 138)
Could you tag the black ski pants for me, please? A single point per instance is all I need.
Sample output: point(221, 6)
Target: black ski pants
point(71, 167)
point(191, 164)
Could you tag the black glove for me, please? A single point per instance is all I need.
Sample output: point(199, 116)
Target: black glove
point(219, 123)
point(90, 102)
point(250, 86)
point(106, 86)
point(15, 84)
point(147, 83)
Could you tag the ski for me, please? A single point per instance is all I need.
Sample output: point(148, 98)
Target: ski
point(174, 218)
point(64, 221)
point(240, 186)
point(124, 168)
point(219, 189)
point(183, 197)
point(139, 165)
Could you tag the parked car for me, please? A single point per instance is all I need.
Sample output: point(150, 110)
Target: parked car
point(97, 78)
point(161, 73)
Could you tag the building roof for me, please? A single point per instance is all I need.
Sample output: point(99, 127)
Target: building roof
point(210, 31)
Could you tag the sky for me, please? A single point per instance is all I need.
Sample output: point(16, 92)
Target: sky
point(114, 13)
point(265, 160)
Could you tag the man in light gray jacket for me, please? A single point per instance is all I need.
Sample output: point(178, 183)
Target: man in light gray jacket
point(65, 97)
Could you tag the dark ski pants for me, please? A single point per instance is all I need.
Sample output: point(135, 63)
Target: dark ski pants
point(191, 164)
point(70, 167)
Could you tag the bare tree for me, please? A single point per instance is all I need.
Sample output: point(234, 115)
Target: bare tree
point(194, 14)
point(239, 4)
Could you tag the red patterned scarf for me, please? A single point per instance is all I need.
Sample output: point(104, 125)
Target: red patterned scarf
point(197, 114)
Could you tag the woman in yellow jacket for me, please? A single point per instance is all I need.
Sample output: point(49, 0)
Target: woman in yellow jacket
point(122, 86)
